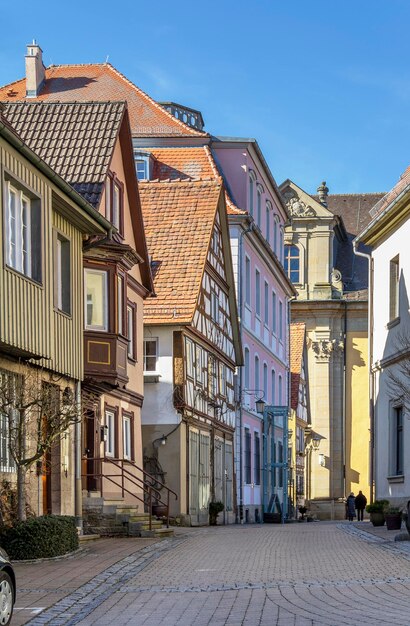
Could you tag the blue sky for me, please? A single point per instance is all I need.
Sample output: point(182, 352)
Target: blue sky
point(323, 85)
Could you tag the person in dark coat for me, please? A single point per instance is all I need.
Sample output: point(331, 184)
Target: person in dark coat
point(350, 504)
point(360, 504)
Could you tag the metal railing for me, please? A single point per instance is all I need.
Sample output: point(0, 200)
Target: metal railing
point(128, 479)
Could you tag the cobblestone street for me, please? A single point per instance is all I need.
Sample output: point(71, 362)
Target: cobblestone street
point(321, 573)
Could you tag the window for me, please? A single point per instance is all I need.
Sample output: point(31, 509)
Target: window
point(280, 460)
point(266, 304)
point(259, 206)
point(96, 302)
point(280, 390)
point(273, 387)
point(292, 263)
point(257, 293)
point(246, 368)
point(222, 379)
point(23, 232)
point(189, 358)
point(120, 304)
point(110, 433)
point(132, 330)
point(150, 355)
point(126, 429)
point(274, 312)
point(199, 370)
point(251, 191)
point(257, 383)
point(280, 320)
point(212, 389)
point(114, 195)
point(214, 307)
point(265, 381)
point(280, 251)
point(267, 220)
point(394, 288)
point(248, 459)
point(142, 165)
point(12, 385)
point(275, 235)
point(247, 280)
point(397, 465)
point(257, 456)
point(63, 274)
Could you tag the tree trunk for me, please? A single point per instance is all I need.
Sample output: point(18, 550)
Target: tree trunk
point(21, 493)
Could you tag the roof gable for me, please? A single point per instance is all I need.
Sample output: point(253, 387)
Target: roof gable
point(300, 204)
point(102, 82)
point(75, 139)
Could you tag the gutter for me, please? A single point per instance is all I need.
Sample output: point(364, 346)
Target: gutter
point(14, 140)
point(370, 360)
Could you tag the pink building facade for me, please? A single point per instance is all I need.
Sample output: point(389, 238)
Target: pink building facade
point(263, 291)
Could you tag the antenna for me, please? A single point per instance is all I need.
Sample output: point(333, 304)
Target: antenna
point(108, 56)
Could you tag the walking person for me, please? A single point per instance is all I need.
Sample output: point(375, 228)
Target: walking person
point(360, 505)
point(351, 511)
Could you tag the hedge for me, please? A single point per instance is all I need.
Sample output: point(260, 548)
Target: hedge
point(40, 537)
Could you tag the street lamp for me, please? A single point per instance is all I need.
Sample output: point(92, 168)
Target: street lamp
point(316, 441)
point(260, 406)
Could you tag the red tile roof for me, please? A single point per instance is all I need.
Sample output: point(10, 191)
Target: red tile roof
point(297, 342)
point(102, 82)
point(391, 195)
point(178, 220)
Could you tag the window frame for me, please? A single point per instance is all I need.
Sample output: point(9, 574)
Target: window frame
point(62, 281)
point(127, 418)
point(106, 294)
point(257, 457)
point(248, 281)
point(287, 264)
point(394, 289)
point(257, 293)
point(132, 354)
point(111, 433)
point(247, 456)
point(156, 356)
point(112, 183)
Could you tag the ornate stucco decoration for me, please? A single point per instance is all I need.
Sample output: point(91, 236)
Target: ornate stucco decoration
point(324, 348)
point(296, 206)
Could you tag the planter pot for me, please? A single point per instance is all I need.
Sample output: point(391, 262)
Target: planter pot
point(377, 519)
point(393, 521)
point(160, 510)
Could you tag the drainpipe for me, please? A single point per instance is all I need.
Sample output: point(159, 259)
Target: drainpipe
point(240, 301)
point(77, 460)
point(370, 359)
point(344, 398)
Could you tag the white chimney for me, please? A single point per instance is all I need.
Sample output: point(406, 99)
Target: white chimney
point(35, 70)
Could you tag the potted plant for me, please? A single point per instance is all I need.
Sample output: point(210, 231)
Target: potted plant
point(302, 511)
point(214, 509)
point(376, 510)
point(393, 518)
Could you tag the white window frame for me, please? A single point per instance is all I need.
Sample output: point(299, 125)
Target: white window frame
point(266, 303)
point(126, 431)
point(257, 293)
point(20, 258)
point(104, 327)
point(154, 340)
point(248, 284)
point(110, 435)
point(62, 278)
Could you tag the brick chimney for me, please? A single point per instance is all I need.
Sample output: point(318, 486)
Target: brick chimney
point(35, 70)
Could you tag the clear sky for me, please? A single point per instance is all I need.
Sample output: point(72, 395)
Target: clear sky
point(323, 85)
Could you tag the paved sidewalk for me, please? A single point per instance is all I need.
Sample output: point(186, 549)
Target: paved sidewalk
point(42, 584)
point(326, 574)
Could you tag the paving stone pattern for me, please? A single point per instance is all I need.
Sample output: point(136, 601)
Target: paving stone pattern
point(299, 574)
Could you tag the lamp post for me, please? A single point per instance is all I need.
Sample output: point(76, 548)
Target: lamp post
point(312, 443)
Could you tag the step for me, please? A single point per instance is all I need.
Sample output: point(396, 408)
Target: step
point(158, 533)
point(85, 538)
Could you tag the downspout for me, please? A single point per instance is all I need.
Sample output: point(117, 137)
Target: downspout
point(370, 359)
point(77, 460)
point(344, 398)
point(240, 299)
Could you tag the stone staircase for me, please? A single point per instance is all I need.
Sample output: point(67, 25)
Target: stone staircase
point(116, 519)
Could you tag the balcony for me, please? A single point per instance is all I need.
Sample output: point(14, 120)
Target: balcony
point(105, 358)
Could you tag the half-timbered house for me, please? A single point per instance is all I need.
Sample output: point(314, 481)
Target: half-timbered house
point(90, 145)
point(192, 346)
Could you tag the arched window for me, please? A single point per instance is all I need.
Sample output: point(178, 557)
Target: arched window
point(257, 383)
point(259, 206)
point(292, 263)
point(265, 381)
point(276, 235)
point(252, 179)
point(246, 368)
point(273, 387)
point(267, 221)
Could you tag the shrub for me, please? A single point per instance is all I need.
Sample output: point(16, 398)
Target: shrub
point(214, 509)
point(378, 506)
point(40, 537)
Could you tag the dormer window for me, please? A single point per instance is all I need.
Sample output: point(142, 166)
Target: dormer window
point(114, 201)
point(143, 165)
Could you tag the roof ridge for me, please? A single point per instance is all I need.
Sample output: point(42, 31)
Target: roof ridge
point(359, 193)
point(154, 102)
point(183, 181)
point(65, 102)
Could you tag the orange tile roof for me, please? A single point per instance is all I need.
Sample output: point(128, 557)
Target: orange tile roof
point(178, 220)
point(384, 202)
point(102, 82)
point(297, 342)
point(189, 163)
